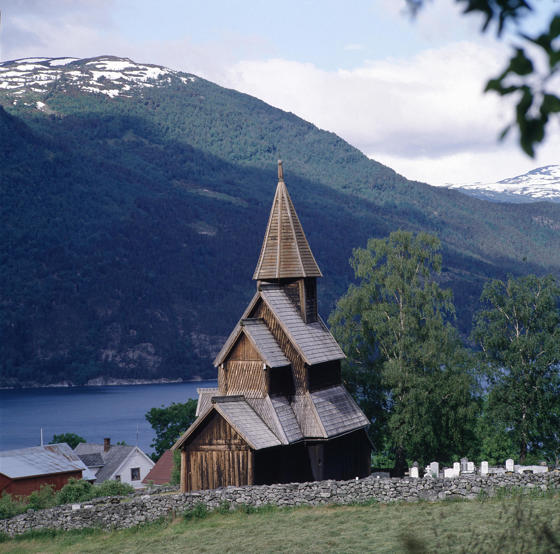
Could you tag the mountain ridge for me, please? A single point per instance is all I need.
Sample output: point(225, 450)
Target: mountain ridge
point(537, 185)
point(134, 222)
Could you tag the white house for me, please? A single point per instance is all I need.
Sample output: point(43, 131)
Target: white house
point(127, 464)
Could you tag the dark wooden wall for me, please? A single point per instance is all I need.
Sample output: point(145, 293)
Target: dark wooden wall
point(217, 456)
point(347, 457)
point(283, 464)
point(324, 375)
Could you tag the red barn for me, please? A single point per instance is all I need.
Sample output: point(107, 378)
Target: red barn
point(26, 470)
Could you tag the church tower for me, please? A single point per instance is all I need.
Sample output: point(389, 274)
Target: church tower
point(286, 258)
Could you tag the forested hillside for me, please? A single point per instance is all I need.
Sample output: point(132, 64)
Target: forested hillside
point(132, 222)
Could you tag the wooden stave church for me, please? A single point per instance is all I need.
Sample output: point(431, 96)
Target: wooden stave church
point(280, 412)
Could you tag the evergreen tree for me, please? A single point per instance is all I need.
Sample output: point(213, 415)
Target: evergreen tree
point(405, 363)
point(518, 330)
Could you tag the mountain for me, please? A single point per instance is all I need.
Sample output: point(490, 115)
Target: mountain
point(538, 185)
point(134, 202)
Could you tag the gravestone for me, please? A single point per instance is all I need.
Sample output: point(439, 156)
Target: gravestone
point(483, 468)
point(448, 472)
point(509, 465)
point(457, 469)
point(470, 467)
point(434, 469)
point(414, 472)
point(464, 462)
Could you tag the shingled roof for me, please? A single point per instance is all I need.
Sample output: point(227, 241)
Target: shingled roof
point(285, 252)
point(313, 340)
point(242, 417)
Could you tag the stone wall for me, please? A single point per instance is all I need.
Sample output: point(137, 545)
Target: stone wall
point(122, 512)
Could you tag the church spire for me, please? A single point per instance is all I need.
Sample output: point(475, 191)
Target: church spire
point(285, 252)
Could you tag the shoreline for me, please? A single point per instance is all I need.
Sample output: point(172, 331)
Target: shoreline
point(106, 382)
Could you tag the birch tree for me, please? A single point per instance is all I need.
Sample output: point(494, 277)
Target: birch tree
point(518, 330)
point(405, 363)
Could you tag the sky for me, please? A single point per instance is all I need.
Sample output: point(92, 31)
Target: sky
point(408, 92)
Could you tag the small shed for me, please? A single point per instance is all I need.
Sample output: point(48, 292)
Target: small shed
point(280, 412)
point(25, 470)
point(161, 473)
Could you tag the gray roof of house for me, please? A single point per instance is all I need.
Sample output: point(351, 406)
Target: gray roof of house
point(92, 460)
point(313, 340)
point(266, 344)
point(40, 460)
point(113, 459)
point(337, 411)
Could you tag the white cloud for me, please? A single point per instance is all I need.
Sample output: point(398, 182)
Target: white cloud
point(426, 116)
point(428, 107)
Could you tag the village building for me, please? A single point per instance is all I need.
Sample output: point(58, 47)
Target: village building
point(25, 470)
point(161, 473)
point(280, 412)
point(115, 462)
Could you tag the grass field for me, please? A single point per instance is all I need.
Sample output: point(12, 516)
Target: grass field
point(510, 524)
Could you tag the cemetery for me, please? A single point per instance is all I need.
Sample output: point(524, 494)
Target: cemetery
point(466, 467)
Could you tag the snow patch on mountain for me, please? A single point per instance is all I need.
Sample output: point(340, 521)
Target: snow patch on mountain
point(107, 75)
point(540, 184)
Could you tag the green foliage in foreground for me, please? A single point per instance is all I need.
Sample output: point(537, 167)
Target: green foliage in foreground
point(74, 491)
point(525, 523)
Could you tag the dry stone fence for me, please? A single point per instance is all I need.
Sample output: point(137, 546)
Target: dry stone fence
point(123, 512)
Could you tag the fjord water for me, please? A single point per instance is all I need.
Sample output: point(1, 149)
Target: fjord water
point(91, 412)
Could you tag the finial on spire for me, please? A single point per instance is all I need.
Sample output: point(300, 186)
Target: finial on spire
point(280, 171)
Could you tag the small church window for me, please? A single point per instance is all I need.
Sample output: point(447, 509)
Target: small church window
point(134, 473)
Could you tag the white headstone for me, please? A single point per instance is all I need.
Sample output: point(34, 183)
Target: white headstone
point(449, 472)
point(464, 462)
point(434, 469)
point(457, 469)
point(414, 472)
point(470, 467)
point(483, 468)
point(509, 465)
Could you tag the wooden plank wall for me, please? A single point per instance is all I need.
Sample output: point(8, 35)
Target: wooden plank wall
point(217, 457)
point(243, 370)
point(299, 371)
point(246, 377)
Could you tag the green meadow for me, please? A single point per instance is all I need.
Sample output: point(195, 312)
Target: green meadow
point(508, 524)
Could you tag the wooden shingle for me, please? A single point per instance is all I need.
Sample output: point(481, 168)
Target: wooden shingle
point(285, 252)
point(313, 340)
point(337, 411)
